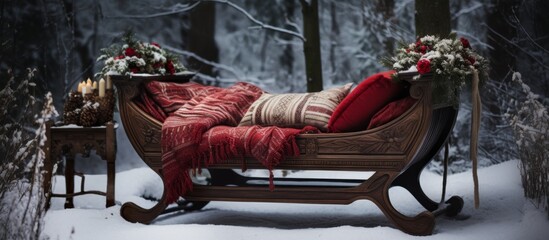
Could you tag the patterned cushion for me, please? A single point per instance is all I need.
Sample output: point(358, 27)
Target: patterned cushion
point(295, 110)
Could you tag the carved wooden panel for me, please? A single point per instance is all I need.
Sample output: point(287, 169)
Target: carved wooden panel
point(148, 135)
point(391, 140)
point(69, 141)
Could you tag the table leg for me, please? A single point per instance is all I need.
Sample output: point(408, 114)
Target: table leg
point(111, 155)
point(69, 179)
point(48, 165)
point(110, 183)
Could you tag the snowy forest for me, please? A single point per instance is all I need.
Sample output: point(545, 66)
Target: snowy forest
point(49, 46)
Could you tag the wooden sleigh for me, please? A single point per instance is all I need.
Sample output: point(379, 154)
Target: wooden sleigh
point(397, 152)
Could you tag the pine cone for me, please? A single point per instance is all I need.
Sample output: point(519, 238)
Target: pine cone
point(106, 107)
point(88, 117)
point(89, 97)
point(71, 109)
point(103, 111)
point(72, 117)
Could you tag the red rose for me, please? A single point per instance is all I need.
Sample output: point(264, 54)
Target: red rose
point(423, 66)
point(170, 67)
point(157, 65)
point(134, 70)
point(130, 52)
point(155, 44)
point(423, 49)
point(472, 60)
point(119, 57)
point(465, 42)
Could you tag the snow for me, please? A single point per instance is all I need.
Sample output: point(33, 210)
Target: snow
point(503, 214)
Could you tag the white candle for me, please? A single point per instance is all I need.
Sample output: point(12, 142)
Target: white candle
point(89, 87)
point(89, 81)
point(83, 90)
point(94, 85)
point(79, 87)
point(109, 82)
point(101, 88)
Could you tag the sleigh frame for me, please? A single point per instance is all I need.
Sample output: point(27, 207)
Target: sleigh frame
point(397, 152)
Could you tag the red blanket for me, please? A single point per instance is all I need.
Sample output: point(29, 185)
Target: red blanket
point(202, 131)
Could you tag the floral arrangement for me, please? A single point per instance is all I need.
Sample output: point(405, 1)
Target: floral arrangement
point(449, 58)
point(138, 57)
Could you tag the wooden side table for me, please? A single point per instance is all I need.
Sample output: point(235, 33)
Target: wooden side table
point(68, 141)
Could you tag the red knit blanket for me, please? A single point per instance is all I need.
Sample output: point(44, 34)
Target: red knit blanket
point(201, 132)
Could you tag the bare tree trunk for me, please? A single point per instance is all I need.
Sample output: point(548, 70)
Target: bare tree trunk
point(500, 31)
point(433, 18)
point(387, 7)
point(334, 36)
point(311, 46)
point(263, 52)
point(286, 60)
point(201, 38)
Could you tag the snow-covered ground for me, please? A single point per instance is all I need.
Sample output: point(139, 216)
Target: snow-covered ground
point(503, 214)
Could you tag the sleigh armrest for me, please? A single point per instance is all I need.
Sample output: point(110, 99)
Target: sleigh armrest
point(129, 86)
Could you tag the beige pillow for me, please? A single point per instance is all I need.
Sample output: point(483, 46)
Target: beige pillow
point(295, 110)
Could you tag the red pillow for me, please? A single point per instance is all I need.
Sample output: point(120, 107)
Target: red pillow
point(391, 111)
point(356, 110)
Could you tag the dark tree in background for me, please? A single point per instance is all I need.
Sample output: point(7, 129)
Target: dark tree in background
point(201, 38)
point(311, 46)
point(287, 58)
point(387, 8)
point(500, 33)
point(531, 20)
point(432, 18)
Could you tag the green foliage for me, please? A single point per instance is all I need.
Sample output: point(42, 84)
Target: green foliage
point(450, 60)
point(134, 56)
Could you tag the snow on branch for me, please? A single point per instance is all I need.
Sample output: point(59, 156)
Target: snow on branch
point(473, 37)
point(529, 120)
point(238, 75)
point(468, 10)
point(257, 22)
point(178, 8)
point(203, 60)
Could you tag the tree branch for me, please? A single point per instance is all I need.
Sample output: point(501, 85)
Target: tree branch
point(470, 9)
point(178, 8)
point(187, 7)
point(238, 76)
point(517, 46)
point(470, 36)
point(203, 60)
point(257, 22)
point(526, 32)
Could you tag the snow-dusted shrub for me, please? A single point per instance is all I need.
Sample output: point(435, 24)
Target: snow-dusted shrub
point(530, 123)
point(22, 135)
